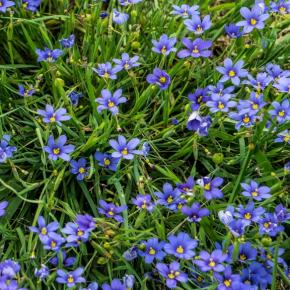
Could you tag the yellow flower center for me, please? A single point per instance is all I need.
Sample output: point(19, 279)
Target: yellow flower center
point(266, 225)
point(255, 193)
point(246, 119)
point(52, 118)
point(171, 275)
point(111, 213)
point(282, 9)
point(177, 273)
point(125, 151)
point(281, 113)
point(199, 28)
point(199, 99)
point(247, 216)
point(180, 250)
point(144, 205)
point(111, 104)
point(163, 50)
point(106, 75)
point(107, 161)
point(80, 233)
point(243, 257)
point(255, 106)
point(82, 170)
point(228, 283)
point(195, 50)
point(211, 263)
point(199, 279)
point(70, 279)
point(1, 4)
point(8, 281)
point(49, 59)
point(180, 205)
point(152, 251)
point(207, 186)
point(269, 257)
point(170, 199)
point(162, 80)
point(232, 73)
point(43, 231)
point(221, 105)
point(126, 65)
point(56, 151)
point(286, 138)
point(53, 244)
point(253, 21)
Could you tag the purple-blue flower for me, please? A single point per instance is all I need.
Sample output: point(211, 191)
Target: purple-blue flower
point(124, 149)
point(270, 225)
point(186, 187)
point(255, 191)
point(243, 119)
point(172, 274)
point(26, 92)
point(128, 2)
point(195, 48)
point(48, 55)
point(57, 149)
point(237, 227)
point(252, 105)
point(181, 246)
point(195, 212)
point(198, 123)
point(281, 111)
point(115, 285)
point(85, 222)
point(198, 98)
point(68, 42)
point(281, 213)
point(143, 201)
point(159, 78)
point(110, 101)
point(247, 252)
point(53, 242)
point(3, 206)
point(51, 116)
point(106, 71)
point(165, 45)
point(229, 281)
point(232, 72)
point(249, 213)
point(79, 168)
point(282, 7)
point(126, 62)
point(185, 10)
point(42, 272)
point(153, 249)
point(210, 187)
point(74, 97)
point(70, 278)
point(75, 235)
point(5, 4)
point(219, 90)
point(170, 197)
point(211, 262)
point(110, 210)
point(254, 18)
point(283, 85)
point(6, 151)
point(198, 25)
point(43, 229)
point(233, 30)
point(31, 5)
point(259, 83)
point(220, 103)
point(106, 160)
point(119, 17)
point(65, 261)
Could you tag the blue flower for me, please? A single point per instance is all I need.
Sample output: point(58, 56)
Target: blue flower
point(195, 213)
point(57, 149)
point(119, 17)
point(283, 85)
point(220, 103)
point(243, 119)
point(110, 210)
point(63, 261)
point(249, 213)
point(110, 101)
point(165, 45)
point(187, 187)
point(232, 71)
point(26, 92)
point(106, 71)
point(269, 225)
point(52, 116)
point(74, 97)
point(153, 249)
point(31, 5)
point(75, 235)
point(237, 227)
point(159, 78)
point(48, 55)
point(53, 242)
point(211, 262)
point(106, 160)
point(229, 281)
point(259, 83)
point(79, 168)
point(172, 274)
point(253, 105)
point(143, 201)
point(233, 30)
point(185, 10)
point(43, 229)
point(115, 285)
point(181, 246)
point(5, 4)
point(210, 187)
point(254, 18)
point(196, 48)
point(247, 252)
point(126, 62)
point(70, 278)
point(198, 25)
point(219, 90)
point(128, 2)
point(282, 7)
point(85, 222)
point(42, 272)
point(3, 206)
point(281, 111)
point(255, 191)
point(6, 151)
point(68, 42)
point(124, 149)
